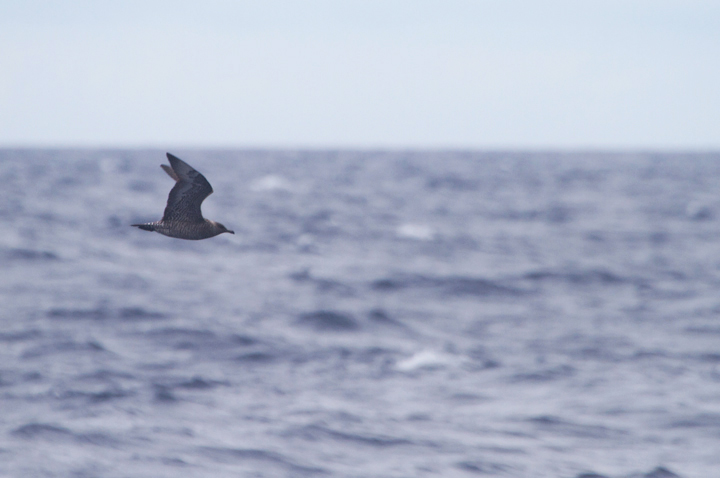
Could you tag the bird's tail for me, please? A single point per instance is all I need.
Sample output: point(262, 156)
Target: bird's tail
point(145, 227)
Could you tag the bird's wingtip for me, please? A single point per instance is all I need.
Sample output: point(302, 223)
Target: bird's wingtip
point(170, 171)
point(144, 227)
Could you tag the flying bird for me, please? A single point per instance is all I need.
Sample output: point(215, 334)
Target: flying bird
point(182, 218)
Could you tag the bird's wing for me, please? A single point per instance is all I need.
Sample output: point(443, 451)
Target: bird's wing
point(190, 190)
point(170, 172)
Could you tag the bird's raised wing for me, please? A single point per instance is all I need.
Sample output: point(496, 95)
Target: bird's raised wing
point(190, 190)
point(170, 172)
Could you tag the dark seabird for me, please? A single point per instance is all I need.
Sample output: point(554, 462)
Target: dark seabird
point(183, 218)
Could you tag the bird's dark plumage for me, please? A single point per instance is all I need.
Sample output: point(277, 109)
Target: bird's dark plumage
point(183, 218)
point(190, 190)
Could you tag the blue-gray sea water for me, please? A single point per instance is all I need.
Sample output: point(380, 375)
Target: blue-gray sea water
point(377, 314)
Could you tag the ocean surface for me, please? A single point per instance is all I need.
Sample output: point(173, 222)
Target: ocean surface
point(377, 314)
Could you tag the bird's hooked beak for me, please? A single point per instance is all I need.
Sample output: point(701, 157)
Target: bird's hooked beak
point(231, 232)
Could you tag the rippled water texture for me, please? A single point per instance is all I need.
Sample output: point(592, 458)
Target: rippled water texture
point(376, 315)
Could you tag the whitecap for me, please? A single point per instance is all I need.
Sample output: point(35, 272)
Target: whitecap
point(425, 359)
point(420, 232)
point(271, 183)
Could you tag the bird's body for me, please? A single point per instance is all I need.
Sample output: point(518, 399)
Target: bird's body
point(183, 218)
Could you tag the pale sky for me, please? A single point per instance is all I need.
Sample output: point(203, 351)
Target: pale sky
point(489, 74)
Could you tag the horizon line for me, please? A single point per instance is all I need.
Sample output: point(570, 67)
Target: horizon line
point(371, 148)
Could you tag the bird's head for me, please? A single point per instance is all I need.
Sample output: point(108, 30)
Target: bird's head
point(220, 228)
